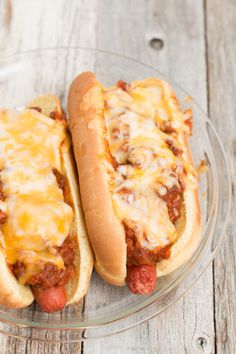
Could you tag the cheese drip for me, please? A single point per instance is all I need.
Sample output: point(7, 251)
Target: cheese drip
point(38, 219)
point(136, 122)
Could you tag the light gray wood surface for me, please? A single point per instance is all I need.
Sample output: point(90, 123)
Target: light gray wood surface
point(221, 40)
point(196, 47)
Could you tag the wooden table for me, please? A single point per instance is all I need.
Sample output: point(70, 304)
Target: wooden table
point(195, 43)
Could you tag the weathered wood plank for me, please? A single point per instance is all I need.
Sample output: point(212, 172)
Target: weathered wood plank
point(5, 22)
point(46, 24)
point(126, 28)
point(221, 37)
point(53, 23)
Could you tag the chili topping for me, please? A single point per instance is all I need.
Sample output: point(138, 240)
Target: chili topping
point(143, 122)
point(39, 221)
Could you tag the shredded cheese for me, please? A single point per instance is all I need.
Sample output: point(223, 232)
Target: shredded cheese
point(136, 121)
point(38, 219)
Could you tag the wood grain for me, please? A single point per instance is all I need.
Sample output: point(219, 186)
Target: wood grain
point(127, 28)
point(221, 39)
point(185, 34)
point(63, 26)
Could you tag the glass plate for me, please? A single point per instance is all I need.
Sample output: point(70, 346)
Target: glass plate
point(106, 309)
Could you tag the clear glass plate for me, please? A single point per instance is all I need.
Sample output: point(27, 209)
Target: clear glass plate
point(106, 309)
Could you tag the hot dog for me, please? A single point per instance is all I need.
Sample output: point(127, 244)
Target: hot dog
point(51, 299)
point(45, 252)
point(138, 182)
point(141, 279)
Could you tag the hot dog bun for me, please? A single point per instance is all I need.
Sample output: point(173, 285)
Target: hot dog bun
point(86, 105)
point(88, 132)
point(12, 293)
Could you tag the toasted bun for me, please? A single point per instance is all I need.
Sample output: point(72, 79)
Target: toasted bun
point(189, 226)
point(87, 127)
point(12, 293)
point(78, 286)
point(106, 233)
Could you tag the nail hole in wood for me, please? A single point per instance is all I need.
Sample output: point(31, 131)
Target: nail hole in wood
point(201, 342)
point(156, 43)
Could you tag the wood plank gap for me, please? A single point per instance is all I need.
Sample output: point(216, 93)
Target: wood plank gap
point(82, 348)
point(209, 113)
point(206, 57)
point(214, 306)
point(83, 310)
point(97, 31)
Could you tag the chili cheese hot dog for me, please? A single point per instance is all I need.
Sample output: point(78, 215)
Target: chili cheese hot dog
point(137, 178)
point(45, 253)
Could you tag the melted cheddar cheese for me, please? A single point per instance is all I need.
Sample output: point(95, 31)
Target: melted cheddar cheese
point(136, 121)
point(38, 219)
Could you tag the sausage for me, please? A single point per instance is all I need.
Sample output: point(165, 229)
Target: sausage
point(141, 279)
point(51, 299)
